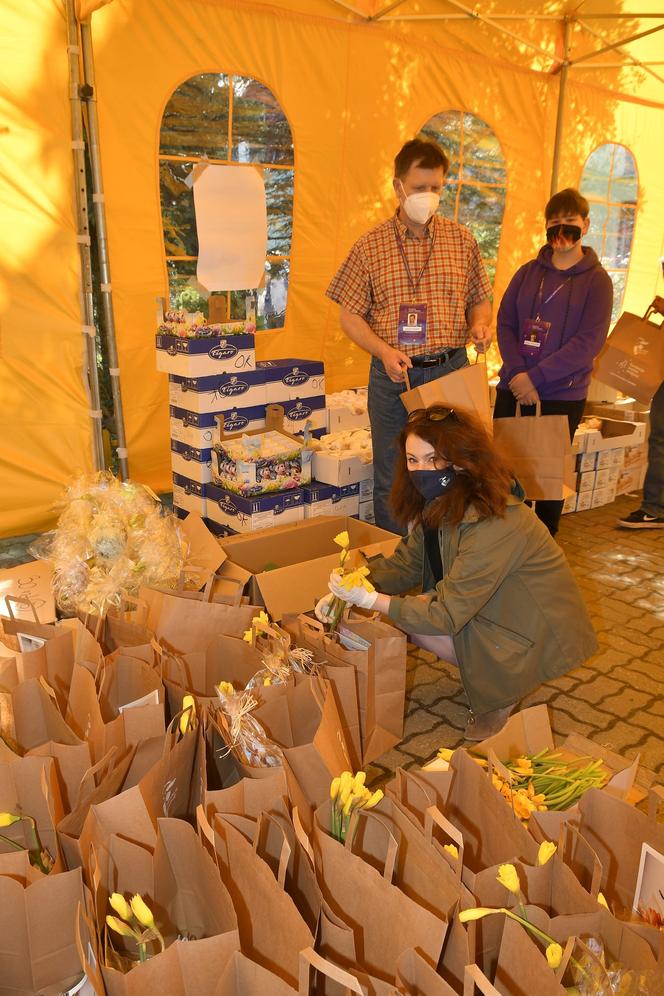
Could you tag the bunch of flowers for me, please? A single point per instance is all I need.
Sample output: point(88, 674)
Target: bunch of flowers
point(38, 856)
point(547, 781)
point(111, 538)
point(349, 793)
point(357, 577)
point(279, 659)
point(247, 738)
point(135, 920)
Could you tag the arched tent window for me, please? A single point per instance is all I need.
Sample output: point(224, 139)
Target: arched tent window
point(611, 184)
point(476, 185)
point(228, 120)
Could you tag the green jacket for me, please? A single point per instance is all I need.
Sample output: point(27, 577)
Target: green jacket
point(507, 598)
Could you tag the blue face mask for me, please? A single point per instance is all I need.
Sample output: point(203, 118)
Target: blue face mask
point(431, 484)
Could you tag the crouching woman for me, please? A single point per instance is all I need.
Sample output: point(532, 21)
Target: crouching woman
point(498, 598)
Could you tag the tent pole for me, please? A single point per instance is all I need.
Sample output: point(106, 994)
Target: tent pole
point(561, 108)
point(102, 247)
point(83, 239)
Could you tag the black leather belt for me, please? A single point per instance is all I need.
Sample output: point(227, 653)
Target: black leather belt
point(439, 360)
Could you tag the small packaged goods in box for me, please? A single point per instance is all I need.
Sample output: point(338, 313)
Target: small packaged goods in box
point(187, 346)
point(261, 461)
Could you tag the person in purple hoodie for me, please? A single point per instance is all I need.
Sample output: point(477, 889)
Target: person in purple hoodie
point(552, 322)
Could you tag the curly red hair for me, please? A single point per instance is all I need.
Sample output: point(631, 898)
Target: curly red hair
point(457, 437)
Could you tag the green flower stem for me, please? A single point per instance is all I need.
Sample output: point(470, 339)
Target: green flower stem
point(142, 952)
point(13, 843)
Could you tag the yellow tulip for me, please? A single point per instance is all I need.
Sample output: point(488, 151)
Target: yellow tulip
point(225, 688)
point(345, 780)
point(554, 955)
point(6, 819)
point(445, 754)
point(248, 636)
point(452, 849)
point(476, 914)
point(261, 618)
point(119, 927)
point(602, 901)
point(546, 851)
point(187, 718)
point(142, 911)
point(121, 906)
point(374, 799)
point(507, 876)
point(348, 804)
point(358, 781)
point(334, 788)
point(342, 539)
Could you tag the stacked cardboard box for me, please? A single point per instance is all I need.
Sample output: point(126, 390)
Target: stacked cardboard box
point(600, 462)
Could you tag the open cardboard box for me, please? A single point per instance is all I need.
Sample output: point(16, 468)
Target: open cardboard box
point(529, 731)
point(288, 567)
point(615, 432)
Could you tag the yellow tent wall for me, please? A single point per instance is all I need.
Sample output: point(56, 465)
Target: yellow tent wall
point(352, 94)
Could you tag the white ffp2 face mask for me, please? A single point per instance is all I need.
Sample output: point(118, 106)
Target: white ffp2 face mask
point(421, 206)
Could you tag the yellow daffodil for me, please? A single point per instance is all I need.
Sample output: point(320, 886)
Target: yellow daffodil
point(374, 799)
point(142, 911)
point(602, 901)
point(465, 916)
point(187, 718)
point(452, 849)
point(342, 539)
point(248, 636)
point(225, 688)
point(348, 804)
point(445, 754)
point(6, 819)
point(356, 579)
point(334, 788)
point(120, 927)
point(554, 955)
point(345, 780)
point(546, 851)
point(121, 906)
point(267, 682)
point(358, 781)
point(507, 876)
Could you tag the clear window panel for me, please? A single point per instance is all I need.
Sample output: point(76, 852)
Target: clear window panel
point(279, 195)
point(177, 209)
point(483, 160)
point(185, 293)
point(481, 209)
point(619, 279)
point(260, 130)
point(271, 297)
point(195, 121)
point(624, 164)
point(445, 128)
point(448, 200)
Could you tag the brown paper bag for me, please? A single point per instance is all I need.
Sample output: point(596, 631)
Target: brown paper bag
point(415, 977)
point(225, 658)
point(30, 786)
point(38, 934)
point(466, 389)
point(71, 764)
point(248, 797)
point(244, 977)
point(37, 719)
point(538, 452)
point(187, 625)
point(272, 932)
point(632, 360)
point(304, 721)
point(52, 661)
point(384, 921)
point(124, 680)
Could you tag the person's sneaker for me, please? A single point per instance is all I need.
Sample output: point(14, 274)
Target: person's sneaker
point(642, 520)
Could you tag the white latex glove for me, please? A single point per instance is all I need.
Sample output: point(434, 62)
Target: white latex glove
point(322, 608)
point(354, 596)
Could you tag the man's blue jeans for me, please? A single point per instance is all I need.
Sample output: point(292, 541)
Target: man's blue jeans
point(653, 486)
point(388, 417)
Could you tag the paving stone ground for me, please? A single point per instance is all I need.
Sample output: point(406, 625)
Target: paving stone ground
point(616, 698)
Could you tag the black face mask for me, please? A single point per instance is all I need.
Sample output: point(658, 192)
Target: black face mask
point(432, 484)
point(572, 232)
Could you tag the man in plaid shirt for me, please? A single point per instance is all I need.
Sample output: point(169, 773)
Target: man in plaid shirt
point(412, 291)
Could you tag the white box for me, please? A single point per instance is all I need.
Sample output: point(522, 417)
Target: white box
point(618, 456)
point(585, 481)
point(602, 478)
point(634, 456)
point(367, 487)
point(583, 501)
point(341, 418)
point(299, 411)
point(199, 429)
point(191, 463)
point(569, 505)
point(604, 459)
point(289, 379)
point(246, 515)
point(631, 479)
point(328, 499)
point(207, 355)
point(218, 393)
point(366, 512)
point(613, 475)
point(602, 496)
point(586, 461)
point(189, 495)
point(614, 433)
point(340, 470)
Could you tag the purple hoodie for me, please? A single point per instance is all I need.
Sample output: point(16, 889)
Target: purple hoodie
point(579, 313)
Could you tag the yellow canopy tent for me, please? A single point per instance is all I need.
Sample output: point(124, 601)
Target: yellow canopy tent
point(354, 80)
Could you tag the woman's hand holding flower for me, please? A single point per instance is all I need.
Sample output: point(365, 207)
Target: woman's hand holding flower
point(353, 588)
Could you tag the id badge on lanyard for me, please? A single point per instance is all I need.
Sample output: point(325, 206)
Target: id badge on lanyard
point(412, 322)
point(535, 331)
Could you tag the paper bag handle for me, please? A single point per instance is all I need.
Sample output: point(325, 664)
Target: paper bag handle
point(403, 779)
point(89, 969)
point(315, 625)
point(392, 848)
point(92, 771)
point(434, 815)
point(538, 409)
point(655, 800)
point(473, 977)
point(24, 600)
point(236, 598)
point(310, 959)
point(285, 852)
point(567, 831)
point(406, 377)
point(301, 835)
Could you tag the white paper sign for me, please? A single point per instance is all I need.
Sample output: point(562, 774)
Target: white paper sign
point(151, 698)
point(231, 222)
point(31, 581)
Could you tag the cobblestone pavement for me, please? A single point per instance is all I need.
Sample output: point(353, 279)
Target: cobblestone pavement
point(616, 698)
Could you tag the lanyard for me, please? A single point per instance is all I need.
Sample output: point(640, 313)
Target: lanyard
point(414, 285)
point(540, 292)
